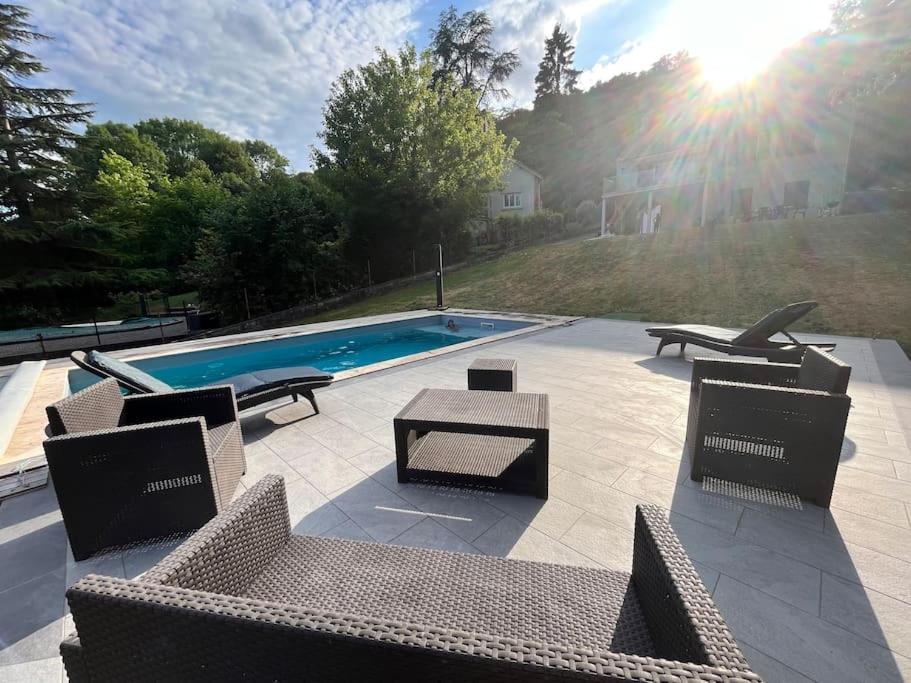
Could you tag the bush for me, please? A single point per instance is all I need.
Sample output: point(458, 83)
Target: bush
point(588, 213)
point(538, 227)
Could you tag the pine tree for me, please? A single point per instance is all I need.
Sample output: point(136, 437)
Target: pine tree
point(53, 261)
point(35, 124)
point(556, 75)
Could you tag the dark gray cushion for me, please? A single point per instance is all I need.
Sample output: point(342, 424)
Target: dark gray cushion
point(264, 380)
point(120, 370)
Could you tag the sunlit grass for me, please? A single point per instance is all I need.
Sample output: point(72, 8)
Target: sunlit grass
point(856, 267)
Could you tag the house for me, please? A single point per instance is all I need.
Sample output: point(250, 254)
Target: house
point(761, 166)
point(520, 193)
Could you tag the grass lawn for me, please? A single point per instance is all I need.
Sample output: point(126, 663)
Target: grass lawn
point(857, 267)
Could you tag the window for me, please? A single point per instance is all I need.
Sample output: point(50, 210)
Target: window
point(797, 194)
point(512, 200)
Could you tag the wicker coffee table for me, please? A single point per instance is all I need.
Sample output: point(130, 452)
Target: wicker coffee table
point(475, 438)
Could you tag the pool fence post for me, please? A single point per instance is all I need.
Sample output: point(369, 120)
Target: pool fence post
point(414, 265)
point(247, 303)
point(97, 335)
point(369, 276)
point(41, 344)
point(439, 278)
point(161, 329)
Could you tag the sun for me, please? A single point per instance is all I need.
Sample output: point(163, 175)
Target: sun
point(735, 40)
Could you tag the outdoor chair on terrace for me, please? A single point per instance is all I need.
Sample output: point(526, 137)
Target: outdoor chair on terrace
point(133, 468)
point(251, 388)
point(246, 599)
point(754, 341)
point(769, 425)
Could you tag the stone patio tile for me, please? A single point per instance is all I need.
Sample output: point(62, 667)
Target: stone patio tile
point(290, 443)
point(310, 511)
point(430, 534)
point(810, 645)
point(33, 551)
point(379, 463)
point(902, 470)
point(869, 463)
point(668, 447)
point(612, 504)
point(468, 513)
point(641, 459)
point(31, 618)
point(616, 431)
point(28, 512)
point(794, 582)
point(377, 510)
point(873, 533)
point(585, 463)
point(829, 553)
point(344, 441)
point(719, 511)
point(316, 424)
point(360, 420)
point(771, 669)
point(511, 538)
point(50, 669)
point(553, 517)
point(327, 471)
point(384, 436)
point(867, 613)
point(573, 437)
point(607, 544)
point(378, 407)
point(262, 460)
point(868, 504)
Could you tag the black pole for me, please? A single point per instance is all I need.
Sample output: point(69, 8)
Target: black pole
point(97, 336)
point(439, 278)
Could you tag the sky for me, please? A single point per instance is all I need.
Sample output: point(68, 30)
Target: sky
point(263, 68)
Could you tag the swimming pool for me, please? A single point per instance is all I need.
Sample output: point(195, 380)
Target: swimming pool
point(334, 351)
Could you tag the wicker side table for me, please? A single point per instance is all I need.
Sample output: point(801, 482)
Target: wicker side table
point(492, 374)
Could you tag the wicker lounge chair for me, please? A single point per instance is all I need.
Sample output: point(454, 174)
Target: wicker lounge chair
point(244, 599)
point(132, 468)
point(251, 388)
point(770, 425)
point(754, 341)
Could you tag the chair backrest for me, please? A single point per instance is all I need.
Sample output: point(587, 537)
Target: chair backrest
point(776, 321)
point(822, 371)
point(97, 407)
point(127, 375)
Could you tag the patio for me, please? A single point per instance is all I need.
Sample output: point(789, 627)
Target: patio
point(810, 594)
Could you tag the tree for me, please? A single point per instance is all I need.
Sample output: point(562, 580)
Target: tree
point(462, 51)
point(121, 139)
point(279, 243)
point(35, 124)
point(411, 158)
point(265, 157)
point(556, 75)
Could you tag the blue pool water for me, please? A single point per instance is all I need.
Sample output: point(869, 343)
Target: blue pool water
point(330, 351)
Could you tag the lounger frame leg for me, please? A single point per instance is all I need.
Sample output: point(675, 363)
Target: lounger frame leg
point(308, 394)
point(661, 344)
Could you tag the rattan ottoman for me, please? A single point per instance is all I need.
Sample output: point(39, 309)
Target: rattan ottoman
point(492, 374)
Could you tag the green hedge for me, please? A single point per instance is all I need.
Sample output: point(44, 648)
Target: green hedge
point(540, 226)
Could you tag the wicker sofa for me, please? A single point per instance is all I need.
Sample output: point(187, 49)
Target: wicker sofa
point(127, 469)
point(775, 426)
point(246, 599)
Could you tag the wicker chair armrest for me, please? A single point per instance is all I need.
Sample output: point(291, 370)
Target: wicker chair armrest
point(684, 622)
point(231, 550)
point(790, 396)
point(216, 404)
point(165, 632)
point(126, 441)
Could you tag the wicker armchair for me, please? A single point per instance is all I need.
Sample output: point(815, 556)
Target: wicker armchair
point(771, 425)
point(246, 599)
point(132, 468)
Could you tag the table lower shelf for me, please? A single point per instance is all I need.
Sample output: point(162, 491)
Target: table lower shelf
point(498, 461)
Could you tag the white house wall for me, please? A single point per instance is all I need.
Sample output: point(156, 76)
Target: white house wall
point(516, 180)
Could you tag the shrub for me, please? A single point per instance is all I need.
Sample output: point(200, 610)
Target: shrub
point(588, 213)
point(539, 226)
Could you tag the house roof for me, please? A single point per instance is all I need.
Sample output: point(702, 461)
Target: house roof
point(529, 169)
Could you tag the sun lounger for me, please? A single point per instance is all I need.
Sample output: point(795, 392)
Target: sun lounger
point(251, 388)
point(754, 341)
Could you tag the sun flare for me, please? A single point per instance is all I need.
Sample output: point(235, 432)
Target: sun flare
point(736, 39)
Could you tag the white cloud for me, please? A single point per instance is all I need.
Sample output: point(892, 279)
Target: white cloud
point(523, 26)
point(250, 68)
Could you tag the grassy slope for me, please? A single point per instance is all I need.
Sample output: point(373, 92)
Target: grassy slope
point(857, 267)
